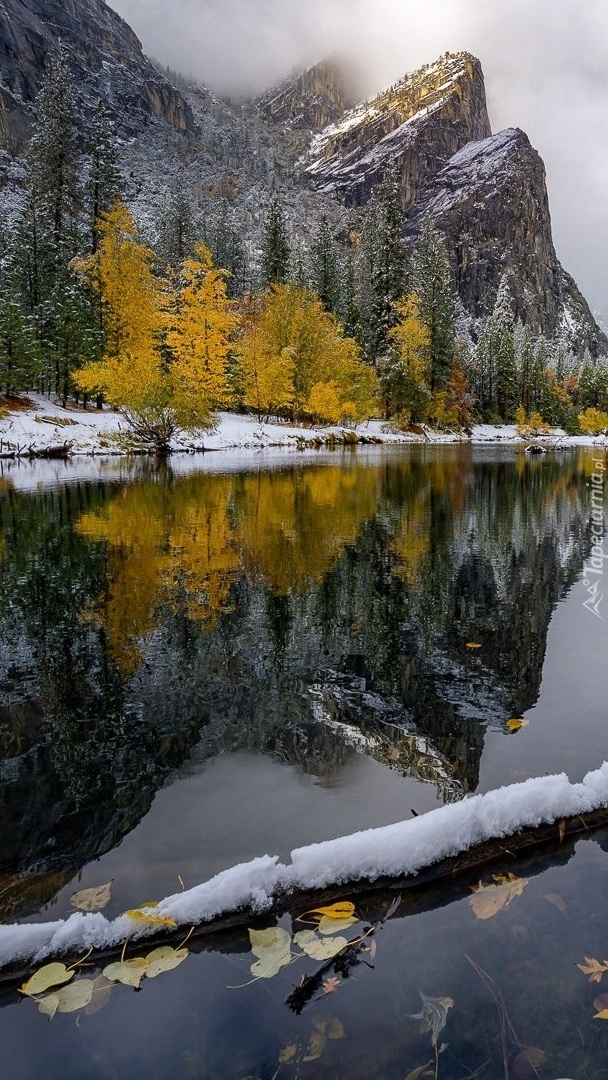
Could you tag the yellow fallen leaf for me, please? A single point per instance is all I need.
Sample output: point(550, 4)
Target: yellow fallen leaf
point(329, 925)
point(344, 909)
point(146, 916)
point(517, 723)
point(92, 899)
point(164, 959)
point(288, 1053)
point(473, 645)
point(316, 1046)
point(603, 1015)
point(273, 949)
point(128, 972)
point(48, 1005)
point(593, 968)
point(488, 900)
point(102, 989)
point(75, 996)
point(319, 948)
point(46, 977)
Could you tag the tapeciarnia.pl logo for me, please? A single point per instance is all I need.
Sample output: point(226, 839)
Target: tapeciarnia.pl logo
point(594, 568)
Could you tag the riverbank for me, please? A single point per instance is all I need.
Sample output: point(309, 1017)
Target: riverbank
point(43, 428)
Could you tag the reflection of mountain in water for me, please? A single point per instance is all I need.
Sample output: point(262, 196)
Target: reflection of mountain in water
point(305, 613)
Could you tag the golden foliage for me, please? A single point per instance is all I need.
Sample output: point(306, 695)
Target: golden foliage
point(181, 547)
point(296, 361)
point(166, 353)
point(593, 421)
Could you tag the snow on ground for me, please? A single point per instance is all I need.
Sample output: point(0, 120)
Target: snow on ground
point(105, 432)
point(394, 850)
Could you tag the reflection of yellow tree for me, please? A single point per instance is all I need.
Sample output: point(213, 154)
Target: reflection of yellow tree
point(181, 546)
point(293, 527)
point(167, 545)
point(443, 483)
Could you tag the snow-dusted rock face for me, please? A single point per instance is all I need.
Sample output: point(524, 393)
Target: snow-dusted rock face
point(316, 98)
point(416, 126)
point(105, 55)
point(490, 201)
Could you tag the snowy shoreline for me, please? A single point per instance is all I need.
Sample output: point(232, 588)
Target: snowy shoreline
point(402, 849)
point(104, 433)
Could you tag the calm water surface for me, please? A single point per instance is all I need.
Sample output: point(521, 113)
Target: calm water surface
point(198, 667)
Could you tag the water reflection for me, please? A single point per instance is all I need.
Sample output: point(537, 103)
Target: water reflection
point(308, 613)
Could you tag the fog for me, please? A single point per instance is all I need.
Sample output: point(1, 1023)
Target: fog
point(545, 65)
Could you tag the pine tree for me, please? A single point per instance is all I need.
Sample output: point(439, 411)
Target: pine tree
point(432, 284)
point(179, 229)
point(229, 253)
point(105, 185)
point(275, 246)
point(384, 261)
point(324, 277)
point(503, 348)
point(54, 157)
point(348, 309)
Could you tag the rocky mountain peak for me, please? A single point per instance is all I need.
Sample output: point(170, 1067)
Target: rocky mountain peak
point(416, 126)
point(106, 59)
point(312, 100)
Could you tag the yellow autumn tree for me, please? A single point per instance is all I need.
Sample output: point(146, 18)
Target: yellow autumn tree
point(198, 339)
point(163, 357)
point(297, 362)
point(405, 376)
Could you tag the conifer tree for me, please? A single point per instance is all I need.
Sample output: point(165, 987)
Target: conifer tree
point(105, 184)
point(324, 278)
point(432, 285)
point(229, 253)
point(384, 265)
point(179, 228)
point(275, 246)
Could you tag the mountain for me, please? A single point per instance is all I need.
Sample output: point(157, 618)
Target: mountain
point(304, 141)
point(415, 126)
point(105, 57)
point(486, 193)
point(314, 99)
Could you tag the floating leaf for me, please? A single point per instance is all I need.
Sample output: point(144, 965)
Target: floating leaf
point(344, 909)
point(488, 900)
point(517, 723)
point(319, 949)
point(593, 968)
point(557, 901)
point(102, 989)
point(48, 1005)
point(128, 972)
point(145, 915)
point(92, 899)
point(273, 948)
point(164, 959)
point(434, 1014)
point(329, 925)
point(331, 984)
point(527, 1064)
point(415, 1074)
point(288, 1053)
point(75, 996)
point(46, 977)
point(316, 1046)
point(602, 1015)
point(473, 645)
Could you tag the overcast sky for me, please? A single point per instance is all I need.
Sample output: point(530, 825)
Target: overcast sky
point(545, 64)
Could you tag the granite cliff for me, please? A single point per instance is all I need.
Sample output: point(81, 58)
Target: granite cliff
point(104, 54)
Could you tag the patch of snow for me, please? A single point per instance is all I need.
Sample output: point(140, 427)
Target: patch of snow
point(406, 847)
